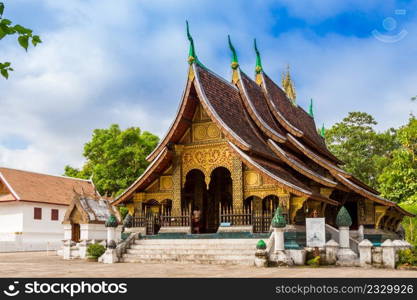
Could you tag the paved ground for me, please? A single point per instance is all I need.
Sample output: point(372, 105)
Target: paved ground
point(39, 264)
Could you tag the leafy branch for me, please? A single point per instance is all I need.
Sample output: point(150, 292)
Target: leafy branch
point(25, 37)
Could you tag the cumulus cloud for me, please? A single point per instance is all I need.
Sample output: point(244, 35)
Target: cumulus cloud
point(124, 62)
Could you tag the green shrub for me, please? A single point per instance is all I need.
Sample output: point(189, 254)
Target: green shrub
point(95, 250)
point(314, 262)
point(408, 257)
point(123, 211)
point(410, 224)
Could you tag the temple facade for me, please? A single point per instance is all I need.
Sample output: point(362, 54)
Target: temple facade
point(237, 150)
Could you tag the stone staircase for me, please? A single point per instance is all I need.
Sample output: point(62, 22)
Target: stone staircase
point(202, 251)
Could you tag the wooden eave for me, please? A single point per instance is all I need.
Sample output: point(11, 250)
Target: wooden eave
point(292, 188)
point(363, 192)
point(255, 114)
point(214, 116)
point(276, 112)
point(315, 157)
point(292, 129)
point(180, 122)
point(299, 167)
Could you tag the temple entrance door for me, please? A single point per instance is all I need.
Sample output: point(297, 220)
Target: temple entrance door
point(195, 195)
point(219, 193)
point(152, 212)
point(75, 232)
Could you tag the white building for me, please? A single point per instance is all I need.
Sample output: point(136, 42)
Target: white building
point(32, 208)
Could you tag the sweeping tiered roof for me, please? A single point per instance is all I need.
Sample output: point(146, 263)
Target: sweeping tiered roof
point(264, 128)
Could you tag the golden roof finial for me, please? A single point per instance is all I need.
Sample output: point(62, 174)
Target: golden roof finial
point(288, 85)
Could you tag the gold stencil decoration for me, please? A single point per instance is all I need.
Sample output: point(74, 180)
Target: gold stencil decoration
point(252, 178)
point(200, 132)
point(165, 183)
point(206, 158)
point(212, 131)
point(206, 131)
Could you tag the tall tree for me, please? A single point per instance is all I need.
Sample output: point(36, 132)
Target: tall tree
point(398, 180)
point(24, 38)
point(115, 158)
point(363, 150)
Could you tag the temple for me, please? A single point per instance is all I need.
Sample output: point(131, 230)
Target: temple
point(237, 150)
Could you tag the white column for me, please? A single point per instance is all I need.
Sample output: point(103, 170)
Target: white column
point(344, 237)
point(279, 239)
point(110, 234)
point(331, 252)
point(365, 253)
point(388, 254)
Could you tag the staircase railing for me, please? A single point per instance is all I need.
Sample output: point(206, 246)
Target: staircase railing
point(335, 236)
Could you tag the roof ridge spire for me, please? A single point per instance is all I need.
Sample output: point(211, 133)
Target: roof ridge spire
point(235, 63)
point(323, 131)
point(288, 85)
point(192, 56)
point(258, 67)
point(310, 109)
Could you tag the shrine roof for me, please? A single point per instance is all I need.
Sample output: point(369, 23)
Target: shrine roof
point(256, 104)
point(95, 210)
point(298, 121)
point(35, 187)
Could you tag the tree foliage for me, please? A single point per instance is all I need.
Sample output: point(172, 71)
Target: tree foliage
point(25, 37)
point(386, 161)
point(398, 180)
point(364, 151)
point(115, 158)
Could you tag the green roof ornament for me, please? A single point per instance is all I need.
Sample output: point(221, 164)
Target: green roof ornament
point(192, 56)
point(111, 221)
point(323, 131)
point(278, 221)
point(310, 109)
point(235, 63)
point(258, 67)
point(343, 218)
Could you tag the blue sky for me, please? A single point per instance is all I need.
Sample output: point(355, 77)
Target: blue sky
point(124, 62)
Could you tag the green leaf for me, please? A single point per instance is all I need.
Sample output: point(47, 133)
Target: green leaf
point(24, 41)
point(4, 73)
point(6, 22)
point(2, 33)
point(22, 30)
point(36, 40)
point(1, 8)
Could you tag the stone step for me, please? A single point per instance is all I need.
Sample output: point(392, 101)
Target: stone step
point(246, 262)
point(196, 242)
point(200, 259)
point(140, 250)
point(233, 256)
point(191, 246)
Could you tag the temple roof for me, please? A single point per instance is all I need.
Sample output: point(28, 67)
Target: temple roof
point(43, 188)
point(265, 129)
point(92, 210)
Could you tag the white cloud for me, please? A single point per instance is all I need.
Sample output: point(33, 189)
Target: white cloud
point(107, 62)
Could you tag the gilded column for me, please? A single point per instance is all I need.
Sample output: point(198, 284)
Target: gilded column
point(176, 180)
point(138, 202)
point(237, 178)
